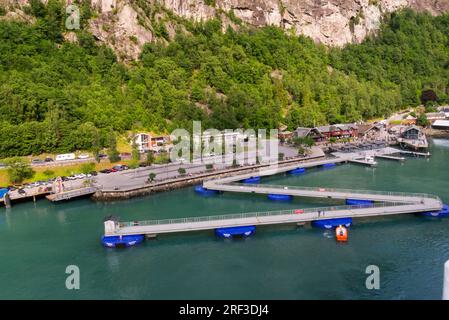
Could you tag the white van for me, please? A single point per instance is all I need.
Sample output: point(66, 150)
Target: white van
point(66, 156)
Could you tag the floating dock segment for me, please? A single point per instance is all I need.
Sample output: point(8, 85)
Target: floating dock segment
point(332, 223)
point(297, 171)
point(280, 197)
point(252, 180)
point(244, 231)
point(390, 157)
point(205, 192)
point(444, 212)
point(122, 241)
point(356, 202)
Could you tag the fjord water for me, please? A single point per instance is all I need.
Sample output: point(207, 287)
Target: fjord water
point(39, 240)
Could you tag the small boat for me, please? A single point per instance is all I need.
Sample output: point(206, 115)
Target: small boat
point(370, 160)
point(231, 232)
point(122, 241)
point(341, 234)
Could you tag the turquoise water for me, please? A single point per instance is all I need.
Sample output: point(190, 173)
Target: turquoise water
point(38, 240)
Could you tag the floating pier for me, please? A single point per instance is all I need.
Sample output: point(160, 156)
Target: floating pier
point(387, 157)
point(361, 203)
point(71, 194)
point(156, 227)
point(363, 162)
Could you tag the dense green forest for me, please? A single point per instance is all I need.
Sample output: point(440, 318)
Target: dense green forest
point(57, 96)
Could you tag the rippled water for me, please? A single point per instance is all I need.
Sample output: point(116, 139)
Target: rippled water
point(38, 241)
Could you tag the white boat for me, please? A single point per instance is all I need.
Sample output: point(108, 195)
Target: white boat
point(370, 160)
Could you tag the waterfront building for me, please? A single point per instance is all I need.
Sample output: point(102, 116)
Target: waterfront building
point(441, 125)
point(409, 120)
point(434, 116)
point(146, 142)
point(313, 133)
point(368, 130)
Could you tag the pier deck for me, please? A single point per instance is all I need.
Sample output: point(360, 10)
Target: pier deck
point(390, 157)
point(70, 194)
point(155, 227)
point(385, 203)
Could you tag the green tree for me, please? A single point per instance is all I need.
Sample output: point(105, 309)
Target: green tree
point(18, 170)
point(151, 177)
point(87, 167)
point(113, 153)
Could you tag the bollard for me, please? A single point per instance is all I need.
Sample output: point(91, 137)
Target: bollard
point(446, 281)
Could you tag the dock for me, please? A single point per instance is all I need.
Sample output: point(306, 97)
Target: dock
point(387, 157)
point(152, 228)
point(415, 153)
point(384, 203)
point(71, 194)
point(363, 162)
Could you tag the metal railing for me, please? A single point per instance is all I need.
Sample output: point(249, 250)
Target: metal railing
point(405, 195)
point(257, 214)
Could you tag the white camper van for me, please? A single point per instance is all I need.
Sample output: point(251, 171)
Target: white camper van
point(66, 156)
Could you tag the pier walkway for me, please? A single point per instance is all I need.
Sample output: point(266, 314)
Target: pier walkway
point(384, 203)
point(155, 227)
point(70, 194)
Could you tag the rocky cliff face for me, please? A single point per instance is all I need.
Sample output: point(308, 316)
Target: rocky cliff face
point(332, 22)
point(126, 25)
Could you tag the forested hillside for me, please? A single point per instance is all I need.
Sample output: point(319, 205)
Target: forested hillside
point(57, 96)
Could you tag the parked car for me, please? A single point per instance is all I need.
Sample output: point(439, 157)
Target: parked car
point(21, 191)
point(83, 156)
point(102, 155)
point(94, 173)
point(143, 164)
point(106, 171)
point(37, 161)
point(48, 159)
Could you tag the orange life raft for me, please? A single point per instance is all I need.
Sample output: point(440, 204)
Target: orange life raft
point(341, 234)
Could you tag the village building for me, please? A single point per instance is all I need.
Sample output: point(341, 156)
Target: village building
point(285, 135)
point(313, 133)
point(409, 120)
point(368, 131)
point(338, 131)
point(441, 125)
point(434, 116)
point(324, 133)
point(146, 142)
